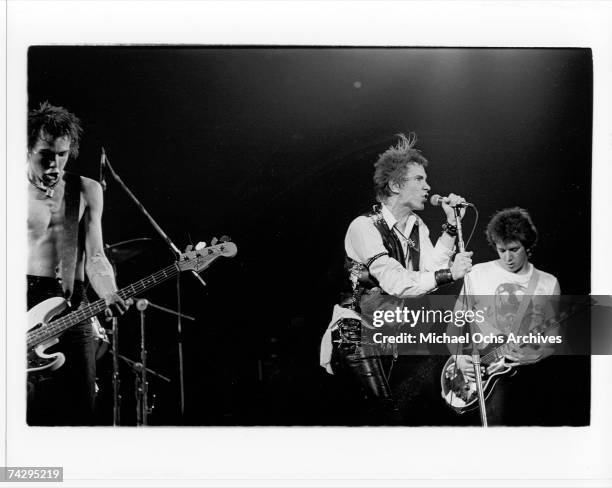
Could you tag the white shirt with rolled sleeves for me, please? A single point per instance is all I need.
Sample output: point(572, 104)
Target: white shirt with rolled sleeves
point(363, 242)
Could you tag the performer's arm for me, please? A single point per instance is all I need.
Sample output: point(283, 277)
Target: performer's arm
point(364, 244)
point(98, 268)
point(438, 256)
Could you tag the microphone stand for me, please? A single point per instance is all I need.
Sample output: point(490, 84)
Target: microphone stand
point(116, 381)
point(137, 367)
point(105, 163)
point(475, 352)
point(142, 407)
point(147, 303)
point(144, 385)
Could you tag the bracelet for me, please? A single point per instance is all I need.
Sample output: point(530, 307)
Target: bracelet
point(450, 229)
point(443, 277)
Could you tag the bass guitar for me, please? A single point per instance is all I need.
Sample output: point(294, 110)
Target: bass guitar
point(44, 329)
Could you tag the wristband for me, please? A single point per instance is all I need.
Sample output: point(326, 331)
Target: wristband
point(443, 277)
point(450, 229)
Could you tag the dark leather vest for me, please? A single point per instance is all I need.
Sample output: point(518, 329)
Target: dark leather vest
point(359, 277)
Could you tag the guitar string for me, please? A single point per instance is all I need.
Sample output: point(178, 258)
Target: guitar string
point(77, 316)
point(547, 325)
point(80, 315)
point(497, 354)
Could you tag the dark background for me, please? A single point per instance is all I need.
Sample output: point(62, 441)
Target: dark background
point(274, 147)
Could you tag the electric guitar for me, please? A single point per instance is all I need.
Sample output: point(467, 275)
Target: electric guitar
point(460, 393)
point(44, 330)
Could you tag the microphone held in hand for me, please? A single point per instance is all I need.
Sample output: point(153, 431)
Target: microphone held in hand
point(437, 200)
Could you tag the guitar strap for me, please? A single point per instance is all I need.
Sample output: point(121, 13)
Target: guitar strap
point(518, 318)
point(72, 200)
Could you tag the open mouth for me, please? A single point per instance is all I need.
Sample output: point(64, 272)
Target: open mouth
point(50, 177)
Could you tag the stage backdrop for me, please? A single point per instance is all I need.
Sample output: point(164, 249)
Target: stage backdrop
point(274, 147)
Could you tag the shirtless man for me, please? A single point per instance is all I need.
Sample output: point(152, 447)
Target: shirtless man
point(67, 398)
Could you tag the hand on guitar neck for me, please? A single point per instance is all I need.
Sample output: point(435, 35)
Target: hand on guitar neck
point(523, 354)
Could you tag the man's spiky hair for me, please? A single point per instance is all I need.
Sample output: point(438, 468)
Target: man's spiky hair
point(49, 121)
point(393, 163)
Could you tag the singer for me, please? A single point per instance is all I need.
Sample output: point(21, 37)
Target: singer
point(390, 257)
point(64, 244)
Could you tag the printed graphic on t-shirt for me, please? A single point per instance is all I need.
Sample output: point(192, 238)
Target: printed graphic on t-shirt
point(508, 299)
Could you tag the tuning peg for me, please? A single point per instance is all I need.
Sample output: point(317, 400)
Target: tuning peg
point(200, 245)
point(188, 248)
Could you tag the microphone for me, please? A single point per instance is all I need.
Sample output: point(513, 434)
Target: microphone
point(436, 200)
point(103, 170)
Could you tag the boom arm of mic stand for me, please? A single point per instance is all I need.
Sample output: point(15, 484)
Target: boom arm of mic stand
point(155, 225)
point(173, 248)
point(159, 230)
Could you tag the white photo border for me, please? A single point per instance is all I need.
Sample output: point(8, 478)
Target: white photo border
point(306, 456)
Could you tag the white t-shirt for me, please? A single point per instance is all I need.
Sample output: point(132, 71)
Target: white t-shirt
point(498, 293)
point(491, 278)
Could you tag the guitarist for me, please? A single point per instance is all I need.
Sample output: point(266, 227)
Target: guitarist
point(67, 398)
point(497, 288)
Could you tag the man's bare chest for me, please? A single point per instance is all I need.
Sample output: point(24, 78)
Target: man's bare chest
point(46, 216)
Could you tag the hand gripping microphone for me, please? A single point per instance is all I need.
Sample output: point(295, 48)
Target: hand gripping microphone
point(437, 200)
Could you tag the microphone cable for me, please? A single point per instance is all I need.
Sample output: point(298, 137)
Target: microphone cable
point(473, 227)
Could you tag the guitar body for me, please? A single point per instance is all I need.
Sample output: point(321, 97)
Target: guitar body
point(460, 394)
point(38, 316)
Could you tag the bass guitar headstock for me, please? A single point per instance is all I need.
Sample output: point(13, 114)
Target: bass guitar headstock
point(199, 259)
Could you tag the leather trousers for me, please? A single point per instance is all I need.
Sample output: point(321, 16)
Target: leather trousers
point(362, 360)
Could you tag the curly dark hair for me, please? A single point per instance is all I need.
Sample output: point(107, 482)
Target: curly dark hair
point(53, 122)
point(393, 163)
point(512, 224)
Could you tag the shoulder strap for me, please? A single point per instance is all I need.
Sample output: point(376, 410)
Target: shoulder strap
point(533, 281)
point(72, 200)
